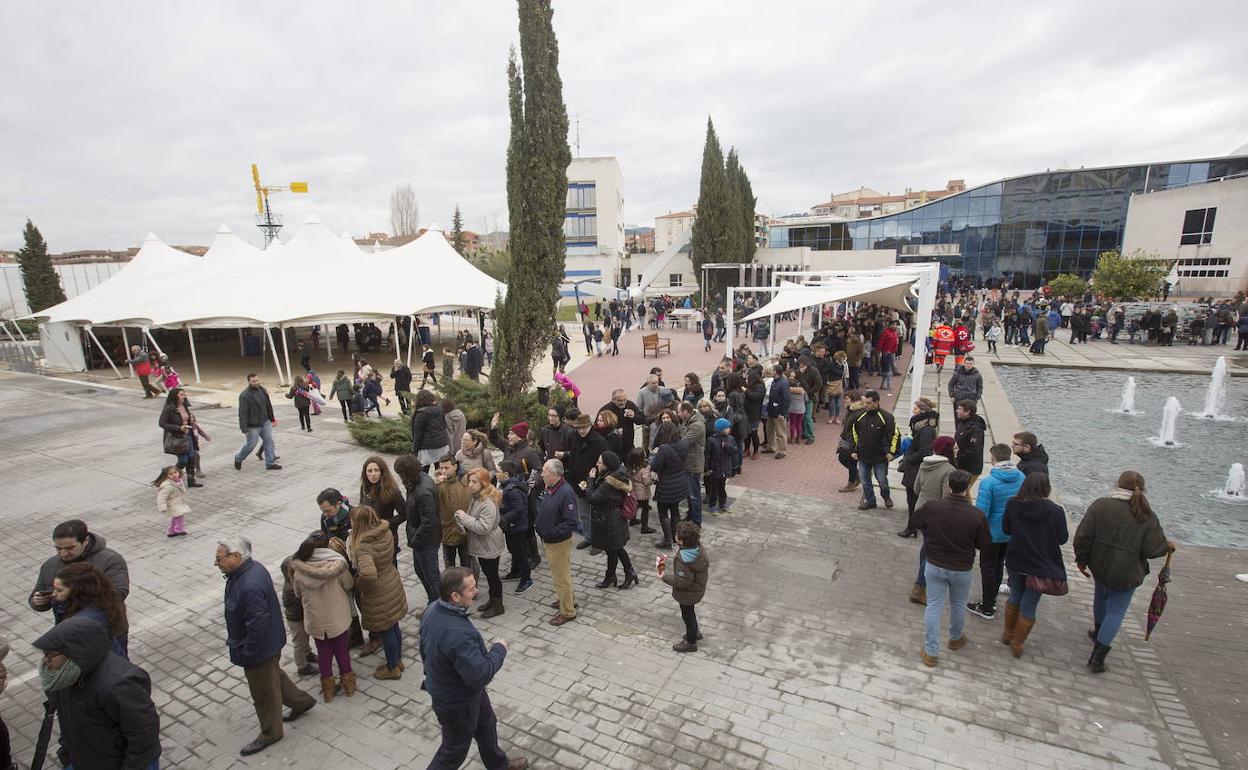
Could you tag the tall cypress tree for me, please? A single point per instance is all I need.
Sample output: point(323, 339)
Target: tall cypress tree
point(457, 232)
point(43, 285)
point(712, 240)
point(736, 234)
point(743, 194)
point(537, 189)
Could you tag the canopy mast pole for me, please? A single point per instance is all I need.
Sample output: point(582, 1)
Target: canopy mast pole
point(273, 349)
point(96, 340)
point(290, 380)
point(29, 347)
point(411, 333)
point(729, 321)
point(155, 344)
point(125, 341)
point(194, 359)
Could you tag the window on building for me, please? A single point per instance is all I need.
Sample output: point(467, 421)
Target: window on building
point(582, 195)
point(675, 279)
point(1198, 226)
point(581, 228)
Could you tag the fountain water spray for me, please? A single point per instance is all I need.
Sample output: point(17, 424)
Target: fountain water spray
point(1215, 397)
point(1235, 482)
point(1128, 396)
point(1169, 416)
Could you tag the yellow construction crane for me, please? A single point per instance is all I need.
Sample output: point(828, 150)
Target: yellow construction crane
point(268, 222)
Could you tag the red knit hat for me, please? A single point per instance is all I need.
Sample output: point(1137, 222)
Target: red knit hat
point(521, 429)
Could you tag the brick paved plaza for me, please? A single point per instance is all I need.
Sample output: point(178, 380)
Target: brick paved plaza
point(811, 651)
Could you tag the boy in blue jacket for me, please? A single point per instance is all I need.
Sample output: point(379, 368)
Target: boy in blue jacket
point(515, 521)
point(995, 490)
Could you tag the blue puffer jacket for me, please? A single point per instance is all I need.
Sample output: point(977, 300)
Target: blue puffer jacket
point(556, 513)
point(457, 664)
point(995, 490)
point(515, 507)
point(254, 629)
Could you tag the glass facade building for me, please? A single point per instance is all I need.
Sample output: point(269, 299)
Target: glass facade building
point(1025, 228)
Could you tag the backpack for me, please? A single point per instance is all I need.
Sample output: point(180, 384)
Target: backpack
point(628, 507)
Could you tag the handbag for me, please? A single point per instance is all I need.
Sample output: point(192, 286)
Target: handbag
point(177, 444)
point(834, 388)
point(1049, 586)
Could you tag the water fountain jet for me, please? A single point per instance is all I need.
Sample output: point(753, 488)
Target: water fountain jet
point(1169, 416)
point(1235, 485)
point(1128, 397)
point(1215, 396)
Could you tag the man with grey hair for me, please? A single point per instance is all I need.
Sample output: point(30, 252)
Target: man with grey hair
point(556, 521)
point(255, 636)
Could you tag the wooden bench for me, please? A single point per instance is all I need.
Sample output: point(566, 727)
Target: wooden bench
point(653, 342)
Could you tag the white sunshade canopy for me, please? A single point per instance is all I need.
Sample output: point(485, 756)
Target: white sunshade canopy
point(315, 277)
point(882, 289)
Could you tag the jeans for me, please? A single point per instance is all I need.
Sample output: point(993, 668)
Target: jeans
point(880, 470)
point(850, 464)
point(921, 580)
point(1026, 599)
point(460, 725)
point(329, 650)
point(886, 371)
point(1109, 607)
point(834, 405)
point(263, 433)
point(808, 422)
point(392, 644)
point(853, 377)
point(695, 497)
point(991, 569)
point(690, 616)
point(425, 564)
point(944, 585)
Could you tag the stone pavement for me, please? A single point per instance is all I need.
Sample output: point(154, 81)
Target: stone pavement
point(1100, 354)
point(810, 658)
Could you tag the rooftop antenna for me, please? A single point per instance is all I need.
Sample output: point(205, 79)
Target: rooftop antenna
point(577, 119)
point(269, 223)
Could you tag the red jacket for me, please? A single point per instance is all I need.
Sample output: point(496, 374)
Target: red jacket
point(887, 342)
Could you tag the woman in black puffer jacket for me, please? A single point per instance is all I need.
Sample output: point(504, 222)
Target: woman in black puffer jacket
point(429, 439)
point(609, 485)
point(672, 486)
point(924, 427)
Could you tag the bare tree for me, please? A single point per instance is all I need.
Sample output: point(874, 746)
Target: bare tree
point(404, 213)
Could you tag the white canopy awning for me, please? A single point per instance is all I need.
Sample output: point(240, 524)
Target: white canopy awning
point(316, 277)
point(890, 291)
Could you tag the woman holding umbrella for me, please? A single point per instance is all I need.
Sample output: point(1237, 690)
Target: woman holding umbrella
point(1115, 540)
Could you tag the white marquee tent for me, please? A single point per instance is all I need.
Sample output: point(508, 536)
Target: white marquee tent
point(315, 278)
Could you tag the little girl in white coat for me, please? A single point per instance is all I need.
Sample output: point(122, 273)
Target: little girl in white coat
point(171, 499)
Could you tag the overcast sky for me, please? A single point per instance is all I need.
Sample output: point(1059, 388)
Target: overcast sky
point(121, 118)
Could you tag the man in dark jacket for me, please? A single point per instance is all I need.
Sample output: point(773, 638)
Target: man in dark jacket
point(255, 636)
point(74, 543)
point(514, 521)
point(1032, 457)
point(778, 398)
point(693, 433)
point(256, 421)
point(812, 383)
point(627, 416)
point(424, 525)
point(969, 439)
point(556, 521)
point(556, 436)
point(875, 441)
point(457, 669)
point(955, 529)
point(586, 448)
point(104, 701)
point(474, 360)
point(966, 384)
point(402, 377)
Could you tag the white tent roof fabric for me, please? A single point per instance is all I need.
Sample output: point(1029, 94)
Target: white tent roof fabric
point(315, 277)
point(888, 290)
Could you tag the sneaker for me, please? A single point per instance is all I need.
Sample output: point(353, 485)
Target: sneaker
point(865, 506)
point(524, 586)
point(712, 509)
point(976, 608)
point(1004, 588)
point(273, 467)
point(888, 502)
point(238, 466)
point(779, 455)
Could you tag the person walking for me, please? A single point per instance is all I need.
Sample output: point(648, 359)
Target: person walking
point(178, 425)
point(255, 637)
point(322, 580)
point(969, 433)
point(423, 525)
point(378, 588)
point(428, 368)
point(485, 538)
point(688, 577)
point(458, 666)
point(1115, 539)
point(430, 440)
point(924, 427)
point(609, 485)
point(73, 543)
point(171, 500)
point(402, 377)
point(955, 531)
point(256, 421)
point(875, 441)
point(931, 483)
point(556, 521)
point(299, 393)
point(143, 370)
point(995, 491)
point(103, 701)
point(966, 384)
point(343, 391)
point(1037, 530)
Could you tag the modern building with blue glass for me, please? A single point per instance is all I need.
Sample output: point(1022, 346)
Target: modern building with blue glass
point(1025, 229)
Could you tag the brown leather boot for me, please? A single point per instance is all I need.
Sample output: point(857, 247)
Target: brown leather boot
point(1021, 629)
point(918, 594)
point(383, 672)
point(348, 684)
point(1011, 618)
point(328, 688)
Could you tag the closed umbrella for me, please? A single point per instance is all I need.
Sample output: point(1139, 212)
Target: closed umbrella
point(1158, 604)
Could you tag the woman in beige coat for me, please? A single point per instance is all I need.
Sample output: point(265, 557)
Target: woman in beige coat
point(378, 588)
point(474, 452)
point(485, 540)
point(322, 580)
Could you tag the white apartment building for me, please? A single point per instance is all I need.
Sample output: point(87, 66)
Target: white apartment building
point(593, 225)
point(669, 226)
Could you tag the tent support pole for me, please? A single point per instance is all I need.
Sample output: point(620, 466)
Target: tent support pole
point(329, 345)
point(412, 332)
point(104, 352)
point(26, 342)
point(731, 307)
point(190, 333)
point(155, 344)
point(125, 342)
point(286, 354)
point(242, 349)
point(273, 349)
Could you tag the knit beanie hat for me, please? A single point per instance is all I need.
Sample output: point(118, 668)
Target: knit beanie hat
point(721, 423)
point(943, 445)
point(521, 429)
point(611, 460)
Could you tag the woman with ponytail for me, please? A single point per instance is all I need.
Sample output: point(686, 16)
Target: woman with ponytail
point(1115, 540)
